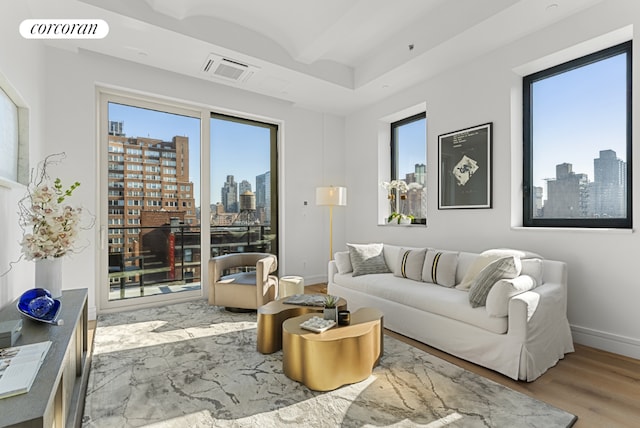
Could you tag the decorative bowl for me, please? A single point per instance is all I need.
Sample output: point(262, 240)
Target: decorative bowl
point(38, 305)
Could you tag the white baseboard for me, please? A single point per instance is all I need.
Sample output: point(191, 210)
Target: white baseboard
point(92, 313)
point(617, 344)
point(315, 279)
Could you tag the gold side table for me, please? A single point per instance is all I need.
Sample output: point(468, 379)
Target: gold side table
point(273, 314)
point(339, 356)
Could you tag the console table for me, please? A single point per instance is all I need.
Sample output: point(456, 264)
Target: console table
point(56, 398)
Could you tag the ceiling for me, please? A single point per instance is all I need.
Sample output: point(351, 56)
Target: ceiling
point(329, 55)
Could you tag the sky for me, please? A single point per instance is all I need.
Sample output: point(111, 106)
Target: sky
point(414, 149)
point(237, 149)
point(577, 114)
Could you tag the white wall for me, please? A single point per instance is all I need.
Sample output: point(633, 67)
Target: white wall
point(22, 65)
point(603, 288)
point(70, 124)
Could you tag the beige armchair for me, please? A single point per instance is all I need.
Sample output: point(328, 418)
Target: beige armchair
point(243, 290)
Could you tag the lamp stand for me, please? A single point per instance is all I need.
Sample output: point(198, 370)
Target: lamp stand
point(330, 232)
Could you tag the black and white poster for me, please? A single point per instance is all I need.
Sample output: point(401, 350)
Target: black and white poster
point(465, 168)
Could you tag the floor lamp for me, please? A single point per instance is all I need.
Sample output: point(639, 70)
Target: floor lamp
point(331, 196)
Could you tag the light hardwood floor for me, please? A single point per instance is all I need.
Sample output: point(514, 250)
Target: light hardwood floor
point(601, 388)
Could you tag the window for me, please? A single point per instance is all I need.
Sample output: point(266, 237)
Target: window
point(408, 163)
point(577, 142)
point(244, 158)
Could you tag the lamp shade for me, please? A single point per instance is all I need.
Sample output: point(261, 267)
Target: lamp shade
point(333, 196)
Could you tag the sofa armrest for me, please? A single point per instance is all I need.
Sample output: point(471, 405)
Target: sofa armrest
point(332, 270)
point(537, 310)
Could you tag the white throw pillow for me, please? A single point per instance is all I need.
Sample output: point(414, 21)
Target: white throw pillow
point(476, 267)
point(503, 252)
point(343, 262)
point(503, 290)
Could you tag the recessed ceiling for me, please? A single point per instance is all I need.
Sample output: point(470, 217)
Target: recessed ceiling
point(330, 55)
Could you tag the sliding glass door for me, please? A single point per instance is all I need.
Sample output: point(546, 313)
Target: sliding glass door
point(179, 186)
point(153, 202)
point(244, 190)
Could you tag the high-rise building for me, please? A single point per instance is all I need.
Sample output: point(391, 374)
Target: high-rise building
point(116, 128)
point(609, 187)
point(229, 195)
point(263, 197)
point(243, 187)
point(145, 175)
point(568, 194)
point(415, 203)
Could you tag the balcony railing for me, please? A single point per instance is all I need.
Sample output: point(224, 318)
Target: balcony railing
point(168, 258)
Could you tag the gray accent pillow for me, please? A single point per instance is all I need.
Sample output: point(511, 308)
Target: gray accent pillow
point(440, 267)
point(503, 268)
point(410, 263)
point(367, 259)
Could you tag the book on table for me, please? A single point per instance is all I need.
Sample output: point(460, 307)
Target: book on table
point(19, 366)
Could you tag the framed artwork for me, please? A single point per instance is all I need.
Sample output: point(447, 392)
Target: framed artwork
point(464, 168)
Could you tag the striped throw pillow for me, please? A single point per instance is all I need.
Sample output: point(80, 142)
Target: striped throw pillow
point(410, 263)
point(504, 268)
point(440, 267)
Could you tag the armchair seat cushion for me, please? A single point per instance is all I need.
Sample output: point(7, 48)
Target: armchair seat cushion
point(244, 278)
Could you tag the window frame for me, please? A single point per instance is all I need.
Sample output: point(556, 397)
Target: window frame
point(394, 152)
point(527, 174)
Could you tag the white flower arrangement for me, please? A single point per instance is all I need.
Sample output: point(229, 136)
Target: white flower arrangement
point(398, 188)
point(50, 227)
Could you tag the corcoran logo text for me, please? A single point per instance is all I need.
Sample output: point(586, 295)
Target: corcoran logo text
point(64, 29)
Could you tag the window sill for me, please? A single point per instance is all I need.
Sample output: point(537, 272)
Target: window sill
point(573, 229)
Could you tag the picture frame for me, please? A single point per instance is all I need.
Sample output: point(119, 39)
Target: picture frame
point(465, 168)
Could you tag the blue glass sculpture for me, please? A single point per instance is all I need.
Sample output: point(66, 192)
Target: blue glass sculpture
point(38, 305)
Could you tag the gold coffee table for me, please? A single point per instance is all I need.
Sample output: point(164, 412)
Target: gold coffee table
point(273, 314)
point(339, 356)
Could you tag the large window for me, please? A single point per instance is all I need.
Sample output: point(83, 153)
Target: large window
point(577, 142)
point(408, 164)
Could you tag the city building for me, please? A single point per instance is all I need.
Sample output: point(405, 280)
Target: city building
point(609, 187)
point(568, 194)
point(263, 198)
point(229, 195)
point(149, 185)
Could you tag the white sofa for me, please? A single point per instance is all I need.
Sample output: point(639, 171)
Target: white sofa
point(522, 345)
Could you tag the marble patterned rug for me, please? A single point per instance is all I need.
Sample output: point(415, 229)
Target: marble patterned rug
point(195, 365)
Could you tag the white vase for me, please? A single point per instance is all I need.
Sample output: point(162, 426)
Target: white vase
point(330, 314)
point(49, 275)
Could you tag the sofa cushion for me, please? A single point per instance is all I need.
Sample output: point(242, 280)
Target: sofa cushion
point(503, 290)
point(444, 301)
point(343, 262)
point(440, 267)
point(506, 267)
point(409, 264)
point(367, 259)
point(476, 267)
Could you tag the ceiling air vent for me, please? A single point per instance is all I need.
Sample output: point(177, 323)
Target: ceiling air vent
point(227, 69)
